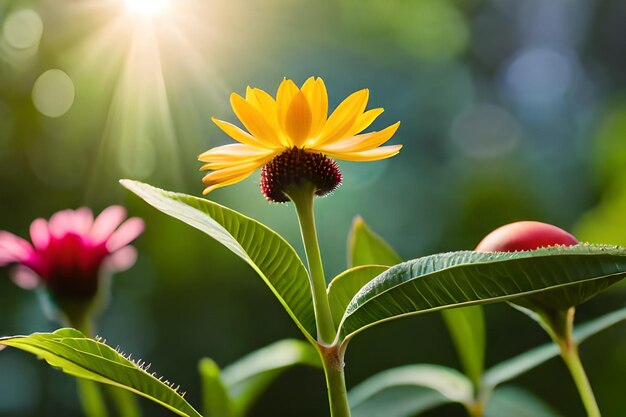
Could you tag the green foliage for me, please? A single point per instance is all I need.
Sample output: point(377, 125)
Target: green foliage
point(345, 285)
point(263, 249)
point(91, 398)
point(74, 354)
point(408, 390)
point(449, 383)
point(514, 401)
point(233, 391)
point(247, 378)
point(125, 402)
point(401, 401)
point(367, 248)
point(516, 366)
point(467, 329)
point(216, 400)
point(466, 325)
point(460, 279)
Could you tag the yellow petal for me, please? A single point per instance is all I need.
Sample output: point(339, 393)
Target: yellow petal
point(228, 176)
point(286, 92)
point(269, 108)
point(254, 121)
point(316, 95)
point(251, 98)
point(215, 166)
point(233, 150)
point(364, 120)
point(225, 183)
point(370, 155)
point(262, 101)
point(298, 119)
point(233, 154)
point(238, 134)
point(343, 118)
point(360, 143)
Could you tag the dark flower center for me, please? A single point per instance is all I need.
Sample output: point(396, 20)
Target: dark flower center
point(295, 167)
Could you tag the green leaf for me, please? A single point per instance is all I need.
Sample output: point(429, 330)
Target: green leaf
point(522, 363)
point(367, 248)
point(412, 389)
point(430, 386)
point(216, 400)
point(466, 325)
point(74, 354)
point(459, 279)
point(345, 285)
point(514, 401)
point(467, 329)
point(401, 401)
point(263, 249)
point(247, 378)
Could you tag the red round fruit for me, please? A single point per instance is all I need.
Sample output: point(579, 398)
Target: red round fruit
point(525, 235)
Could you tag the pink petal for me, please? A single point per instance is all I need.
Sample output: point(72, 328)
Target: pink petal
point(126, 233)
point(25, 277)
point(121, 260)
point(83, 218)
point(13, 248)
point(61, 223)
point(39, 234)
point(106, 223)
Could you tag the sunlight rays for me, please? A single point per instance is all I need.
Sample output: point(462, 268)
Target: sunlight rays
point(127, 57)
point(146, 8)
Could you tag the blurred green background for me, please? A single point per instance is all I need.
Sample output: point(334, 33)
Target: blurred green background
point(510, 110)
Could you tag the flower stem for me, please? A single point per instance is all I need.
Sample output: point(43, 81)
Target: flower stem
point(336, 385)
point(559, 325)
point(572, 360)
point(89, 392)
point(91, 398)
point(302, 198)
point(332, 355)
point(476, 409)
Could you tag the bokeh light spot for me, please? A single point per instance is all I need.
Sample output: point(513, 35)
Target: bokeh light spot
point(485, 131)
point(53, 93)
point(22, 29)
point(538, 76)
point(433, 30)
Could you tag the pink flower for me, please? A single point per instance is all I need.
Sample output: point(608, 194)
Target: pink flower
point(70, 251)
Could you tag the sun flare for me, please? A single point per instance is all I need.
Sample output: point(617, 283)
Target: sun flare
point(146, 8)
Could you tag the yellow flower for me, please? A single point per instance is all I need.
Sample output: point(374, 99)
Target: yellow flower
point(297, 120)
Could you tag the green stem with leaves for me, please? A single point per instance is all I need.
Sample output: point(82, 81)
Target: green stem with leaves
point(79, 315)
point(559, 325)
point(332, 355)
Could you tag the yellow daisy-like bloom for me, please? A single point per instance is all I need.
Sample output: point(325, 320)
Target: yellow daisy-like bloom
point(296, 121)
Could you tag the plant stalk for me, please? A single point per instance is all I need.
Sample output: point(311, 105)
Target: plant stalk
point(331, 354)
point(476, 409)
point(572, 360)
point(332, 361)
point(559, 325)
point(89, 392)
point(303, 197)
